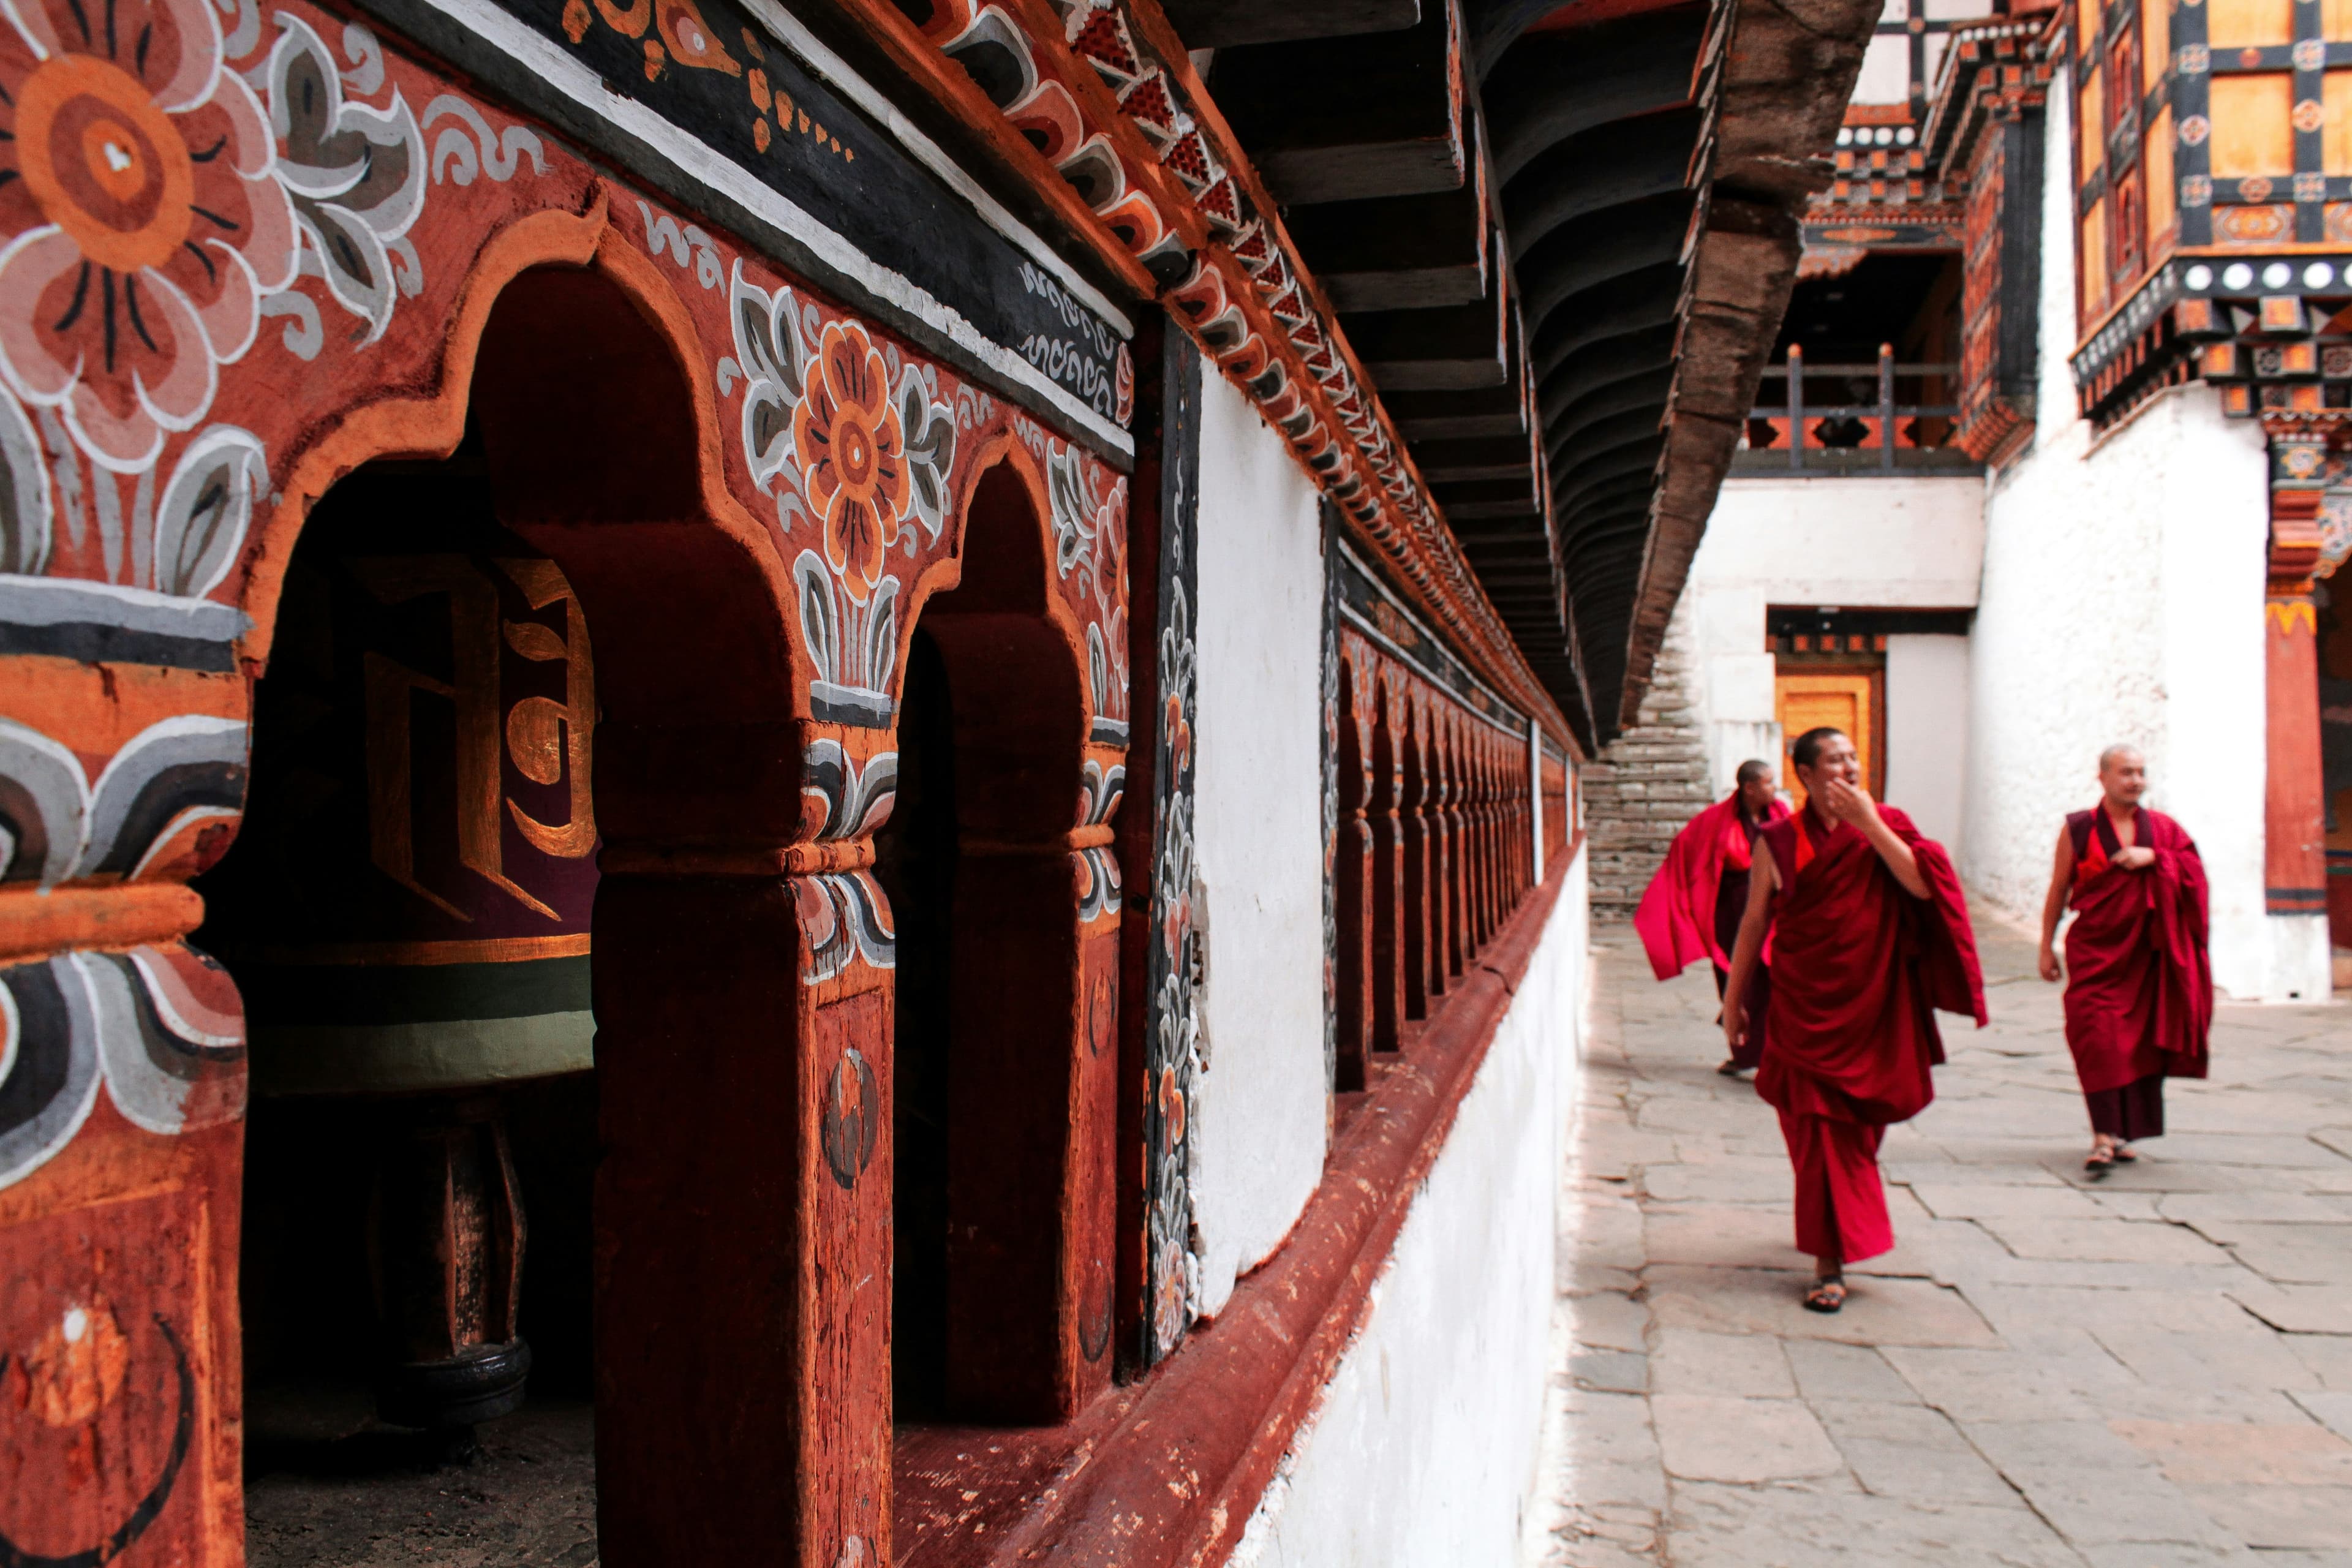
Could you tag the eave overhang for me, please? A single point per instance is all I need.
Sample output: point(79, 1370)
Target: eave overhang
point(1503, 273)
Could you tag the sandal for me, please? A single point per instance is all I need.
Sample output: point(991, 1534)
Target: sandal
point(1731, 1069)
point(2098, 1167)
point(2124, 1156)
point(1827, 1295)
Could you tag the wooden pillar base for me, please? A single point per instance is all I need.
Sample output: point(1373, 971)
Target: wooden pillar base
point(446, 1241)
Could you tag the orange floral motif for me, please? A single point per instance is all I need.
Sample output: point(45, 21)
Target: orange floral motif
point(851, 454)
point(143, 222)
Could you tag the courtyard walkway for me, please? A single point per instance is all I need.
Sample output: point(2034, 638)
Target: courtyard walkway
point(2152, 1372)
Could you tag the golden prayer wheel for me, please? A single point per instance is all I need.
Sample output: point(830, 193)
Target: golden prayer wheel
point(407, 909)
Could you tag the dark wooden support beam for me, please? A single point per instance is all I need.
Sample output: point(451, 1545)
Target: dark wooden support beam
point(1612, 164)
point(1459, 511)
point(1617, 69)
point(1514, 491)
point(1351, 119)
point(1603, 409)
point(1452, 347)
point(1485, 458)
point(1636, 455)
point(1577, 258)
point(1458, 415)
point(1600, 363)
point(1223, 24)
point(1399, 253)
point(1638, 299)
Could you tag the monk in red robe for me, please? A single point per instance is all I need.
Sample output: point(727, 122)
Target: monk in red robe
point(2139, 984)
point(1870, 934)
point(1691, 908)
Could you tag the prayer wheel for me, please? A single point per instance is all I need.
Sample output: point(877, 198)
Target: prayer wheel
point(407, 910)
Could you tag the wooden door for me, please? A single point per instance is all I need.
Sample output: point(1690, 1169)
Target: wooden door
point(1847, 700)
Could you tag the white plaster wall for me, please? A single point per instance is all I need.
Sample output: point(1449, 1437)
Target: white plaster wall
point(1908, 541)
point(1927, 731)
point(1731, 678)
point(2121, 601)
point(1259, 1110)
point(1423, 1452)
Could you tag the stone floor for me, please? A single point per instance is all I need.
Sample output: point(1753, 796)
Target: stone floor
point(2151, 1373)
point(326, 1487)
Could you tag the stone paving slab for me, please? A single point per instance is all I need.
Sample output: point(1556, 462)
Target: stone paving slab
point(2152, 1372)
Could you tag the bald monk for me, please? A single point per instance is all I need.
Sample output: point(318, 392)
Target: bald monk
point(1691, 908)
point(1870, 934)
point(2139, 984)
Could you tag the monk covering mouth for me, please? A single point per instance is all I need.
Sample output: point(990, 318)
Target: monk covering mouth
point(2139, 983)
point(1870, 934)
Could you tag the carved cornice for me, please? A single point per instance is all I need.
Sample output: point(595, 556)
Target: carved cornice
point(1996, 72)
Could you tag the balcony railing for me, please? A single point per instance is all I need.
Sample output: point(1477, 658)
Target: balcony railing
point(1863, 433)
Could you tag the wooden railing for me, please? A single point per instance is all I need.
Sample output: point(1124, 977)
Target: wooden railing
point(1883, 433)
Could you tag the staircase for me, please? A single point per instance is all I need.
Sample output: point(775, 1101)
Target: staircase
point(1647, 782)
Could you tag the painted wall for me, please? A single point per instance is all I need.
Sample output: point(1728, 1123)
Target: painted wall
point(1423, 1451)
point(1259, 1111)
point(1927, 731)
point(2123, 601)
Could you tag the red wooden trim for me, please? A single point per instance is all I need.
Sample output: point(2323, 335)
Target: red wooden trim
point(1169, 1471)
point(945, 81)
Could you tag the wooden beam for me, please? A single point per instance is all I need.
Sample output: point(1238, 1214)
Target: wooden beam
point(1223, 24)
point(1484, 457)
point(1450, 348)
point(1621, 161)
point(1378, 115)
point(1400, 253)
point(1457, 416)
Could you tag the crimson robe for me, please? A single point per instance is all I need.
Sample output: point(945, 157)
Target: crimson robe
point(2139, 984)
point(1677, 920)
point(1691, 908)
point(1860, 967)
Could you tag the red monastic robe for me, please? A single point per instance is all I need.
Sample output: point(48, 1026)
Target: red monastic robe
point(1859, 968)
point(2140, 985)
point(1677, 920)
point(1691, 908)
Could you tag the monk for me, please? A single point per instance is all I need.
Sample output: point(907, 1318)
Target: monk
point(1691, 908)
point(1870, 934)
point(2139, 983)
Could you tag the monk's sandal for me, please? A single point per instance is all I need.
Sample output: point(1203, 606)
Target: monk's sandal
point(1827, 1295)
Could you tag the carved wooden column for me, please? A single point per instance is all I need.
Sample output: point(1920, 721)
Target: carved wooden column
point(1436, 817)
point(1469, 847)
point(1353, 900)
point(1487, 833)
point(744, 1056)
point(1515, 814)
point(1417, 843)
point(2295, 851)
point(1457, 856)
point(1388, 872)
